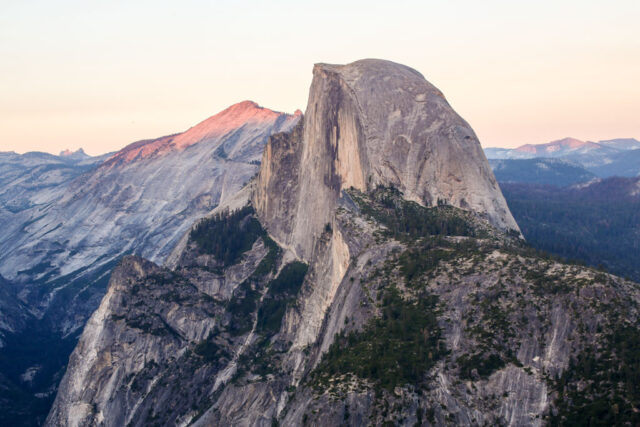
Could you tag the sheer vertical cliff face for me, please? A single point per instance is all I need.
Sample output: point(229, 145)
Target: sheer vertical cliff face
point(278, 175)
point(372, 123)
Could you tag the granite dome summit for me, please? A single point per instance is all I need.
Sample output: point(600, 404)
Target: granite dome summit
point(373, 123)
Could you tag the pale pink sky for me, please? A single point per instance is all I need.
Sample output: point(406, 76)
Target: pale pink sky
point(100, 75)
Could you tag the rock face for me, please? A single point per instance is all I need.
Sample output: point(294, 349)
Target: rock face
point(68, 219)
point(342, 291)
point(117, 322)
point(189, 306)
point(367, 124)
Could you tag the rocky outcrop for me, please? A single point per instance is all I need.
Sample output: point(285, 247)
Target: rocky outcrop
point(103, 387)
point(153, 334)
point(367, 124)
point(278, 176)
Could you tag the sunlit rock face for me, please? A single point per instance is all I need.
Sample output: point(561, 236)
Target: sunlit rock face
point(372, 123)
point(244, 120)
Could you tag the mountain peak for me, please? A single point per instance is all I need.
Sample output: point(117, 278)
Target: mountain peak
point(245, 113)
point(231, 118)
point(570, 142)
point(78, 154)
point(567, 143)
point(247, 103)
point(364, 72)
point(577, 149)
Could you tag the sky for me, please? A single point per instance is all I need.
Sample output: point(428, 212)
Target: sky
point(100, 75)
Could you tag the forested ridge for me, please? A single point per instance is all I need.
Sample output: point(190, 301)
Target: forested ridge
point(598, 224)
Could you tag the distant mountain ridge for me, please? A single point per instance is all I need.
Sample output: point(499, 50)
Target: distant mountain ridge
point(562, 147)
point(558, 147)
point(540, 171)
point(79, 154)
point(614, 157)
point(24, 178)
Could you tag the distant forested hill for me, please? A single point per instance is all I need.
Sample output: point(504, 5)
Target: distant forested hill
point(540, 171)
point(598, 223)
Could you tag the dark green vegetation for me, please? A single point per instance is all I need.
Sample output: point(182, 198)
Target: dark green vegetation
point(601, 385)
point(423, 257)
point(241, 307)
point(210, 351)
point(282, 292)
point(482, 365)
point(539, 171)
point(227, 236)
point(418, 263)
point(270, 260)
point(395, 349)
point(598, 224)
point(403, 341)
point(245, 299)
point(407, 220)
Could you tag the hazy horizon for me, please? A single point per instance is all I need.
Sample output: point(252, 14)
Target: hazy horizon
point(100, 76)
point(288, 112)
